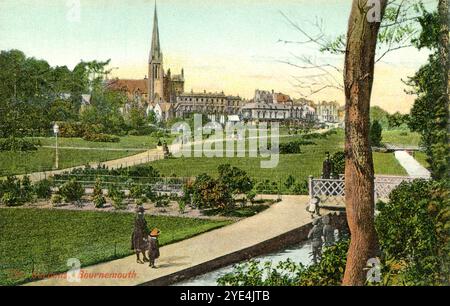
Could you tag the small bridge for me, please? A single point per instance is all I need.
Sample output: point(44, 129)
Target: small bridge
point(331, 192)
point(394, 147)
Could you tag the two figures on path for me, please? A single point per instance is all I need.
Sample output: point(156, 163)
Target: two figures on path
point(143, 240)
point(322, 235)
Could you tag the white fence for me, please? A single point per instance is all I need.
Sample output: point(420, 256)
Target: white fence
point(332, 191)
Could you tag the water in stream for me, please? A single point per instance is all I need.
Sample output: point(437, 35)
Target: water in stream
point(299, 253)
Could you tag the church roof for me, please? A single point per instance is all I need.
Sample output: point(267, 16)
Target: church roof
point(129, 86)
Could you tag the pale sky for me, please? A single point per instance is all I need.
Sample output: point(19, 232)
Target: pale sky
point(229, 45)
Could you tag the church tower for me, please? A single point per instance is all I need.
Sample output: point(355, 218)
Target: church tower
point(155, 66)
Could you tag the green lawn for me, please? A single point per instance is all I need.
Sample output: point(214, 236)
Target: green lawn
point(401, 137)
point(44, 240)
point(309, 162)
point(126, 142)
point(12, 163)
point(421, 157)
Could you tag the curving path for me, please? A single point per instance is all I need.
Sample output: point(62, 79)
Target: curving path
point(412, 166)
point(141, 158)
point(280, 218)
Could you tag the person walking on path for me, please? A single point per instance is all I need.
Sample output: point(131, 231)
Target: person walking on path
point(139, 241)
point(153, 247)
point(315, 234)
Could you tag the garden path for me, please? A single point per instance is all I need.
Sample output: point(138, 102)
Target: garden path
point(141, 158)
point(280, 218)
point(412, 166)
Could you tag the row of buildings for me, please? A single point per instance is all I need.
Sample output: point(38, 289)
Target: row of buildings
point(164, 94)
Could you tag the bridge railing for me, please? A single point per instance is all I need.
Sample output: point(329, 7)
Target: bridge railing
point(332, 191)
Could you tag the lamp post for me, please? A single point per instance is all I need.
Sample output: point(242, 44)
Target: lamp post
point(56, 131)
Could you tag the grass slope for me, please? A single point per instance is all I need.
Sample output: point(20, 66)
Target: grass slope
point(309, 162)
point(12, 163)
point(44, 240)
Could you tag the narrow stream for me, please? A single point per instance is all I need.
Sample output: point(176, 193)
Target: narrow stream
point(298, 253)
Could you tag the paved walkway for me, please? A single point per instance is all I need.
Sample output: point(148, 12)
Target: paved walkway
point(412, 166)
point(280, 218)
point(141, 158)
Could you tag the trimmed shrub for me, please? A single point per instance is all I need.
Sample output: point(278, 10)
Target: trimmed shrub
point(18, 144)
point(26, 190)
point(97, 198)
point(13, 193)
point(10, 199)
point(117, 197)
point(301, 188)
point(42, 189)
point(99, 137)
point(71, 129)
point(290, 181)
point(57, 199)
point(71, 191)
point(181, 206)
point(162, 201)
point(251, 195)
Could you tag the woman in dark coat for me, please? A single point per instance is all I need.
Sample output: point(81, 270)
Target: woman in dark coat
point(139, 241)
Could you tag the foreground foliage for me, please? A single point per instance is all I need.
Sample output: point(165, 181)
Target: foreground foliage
point(414, 233)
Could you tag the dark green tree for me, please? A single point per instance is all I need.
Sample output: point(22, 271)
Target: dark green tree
point(376, 132)
point(429, 115)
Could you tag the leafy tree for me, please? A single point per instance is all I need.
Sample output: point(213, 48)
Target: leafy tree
point(237, 180)
point(429, 115)
point(33, 94)
point(376, 134)
point(379, 114)
point(361, 46)
point(397, 120)
point(208, 192)
point(105, 110)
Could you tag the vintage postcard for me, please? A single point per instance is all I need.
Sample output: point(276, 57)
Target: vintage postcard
point(207, 143)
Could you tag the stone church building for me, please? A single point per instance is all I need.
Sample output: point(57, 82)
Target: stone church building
point(163, 92)
point(159, 91)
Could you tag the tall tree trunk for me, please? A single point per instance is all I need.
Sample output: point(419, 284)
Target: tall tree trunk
point(359, 173)
point(444, 16)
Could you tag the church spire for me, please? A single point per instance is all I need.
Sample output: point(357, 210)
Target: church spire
point(155, 53)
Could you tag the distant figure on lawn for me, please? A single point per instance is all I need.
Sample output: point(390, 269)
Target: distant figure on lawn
point(139, 241)
point(327, 167)
point(153, 247)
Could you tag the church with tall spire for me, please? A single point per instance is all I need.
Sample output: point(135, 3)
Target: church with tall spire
point(163, 93)
point(159, 90)
point(163, 87)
